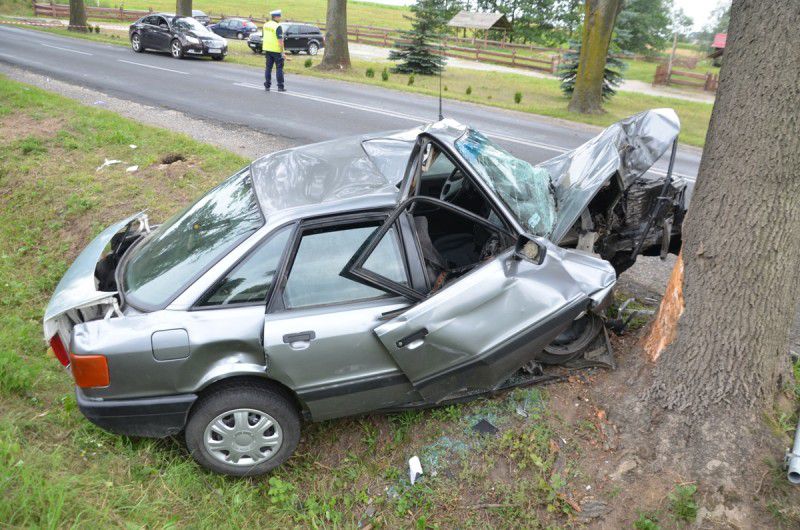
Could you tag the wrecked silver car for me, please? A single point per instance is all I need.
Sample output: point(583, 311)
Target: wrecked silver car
point(374, 273)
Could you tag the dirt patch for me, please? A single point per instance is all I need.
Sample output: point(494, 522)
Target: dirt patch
point(20, 125)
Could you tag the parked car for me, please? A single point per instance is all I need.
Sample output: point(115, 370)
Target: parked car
point(181, 36)
point(373, 273)
point(234, 28)
point(297, 38)
point(201, 17)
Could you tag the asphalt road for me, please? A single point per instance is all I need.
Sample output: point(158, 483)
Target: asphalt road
point(313, 110)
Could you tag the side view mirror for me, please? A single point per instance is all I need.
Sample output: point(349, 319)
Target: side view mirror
point(529, 249)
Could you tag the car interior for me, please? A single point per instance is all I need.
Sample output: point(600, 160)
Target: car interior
point(452, 243)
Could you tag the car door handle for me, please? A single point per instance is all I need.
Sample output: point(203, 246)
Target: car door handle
point(413, 341)
point(299, 341)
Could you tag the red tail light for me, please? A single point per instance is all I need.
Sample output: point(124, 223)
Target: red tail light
point(59, 350)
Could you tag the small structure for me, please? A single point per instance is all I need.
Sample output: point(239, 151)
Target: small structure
point(719, 47)
point(475, 21)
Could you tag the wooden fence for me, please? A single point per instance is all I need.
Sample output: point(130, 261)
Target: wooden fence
point(665, 76)
point(112, 13)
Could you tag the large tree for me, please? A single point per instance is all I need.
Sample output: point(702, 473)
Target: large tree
point(183, 7)
point(643, 26)
point(740, 281)
point(598, 27)
point(337, 52)
point(77, 16)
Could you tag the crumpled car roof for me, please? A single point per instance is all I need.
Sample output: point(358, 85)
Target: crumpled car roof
point(347, 168)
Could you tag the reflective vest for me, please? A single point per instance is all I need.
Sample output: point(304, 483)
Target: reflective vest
point(270, 43)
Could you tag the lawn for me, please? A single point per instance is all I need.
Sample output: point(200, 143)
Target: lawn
point(58, 470)
point(538, 95)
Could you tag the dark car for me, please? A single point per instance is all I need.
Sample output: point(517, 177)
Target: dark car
point(296, 38)
point(238, 28)
point(181, 36)
point(201, 17)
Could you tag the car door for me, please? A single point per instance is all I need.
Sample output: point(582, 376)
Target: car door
point(291, 38)
point(160, 34)
point(146, 31)
point(475, 332)
point(318, 330)
point(222, 28)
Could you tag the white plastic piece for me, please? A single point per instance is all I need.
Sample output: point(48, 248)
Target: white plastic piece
point(107, 163)
point(131, 169)
point(414, 469)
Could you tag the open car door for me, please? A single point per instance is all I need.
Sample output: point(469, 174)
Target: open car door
point(477, 324)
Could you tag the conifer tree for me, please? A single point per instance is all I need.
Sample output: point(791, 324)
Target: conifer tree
point(568, 70)
point(417, 54)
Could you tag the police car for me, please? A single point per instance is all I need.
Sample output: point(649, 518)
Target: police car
point(296, 38)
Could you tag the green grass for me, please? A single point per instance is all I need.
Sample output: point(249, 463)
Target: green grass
point(58, 470)
point(537, 95)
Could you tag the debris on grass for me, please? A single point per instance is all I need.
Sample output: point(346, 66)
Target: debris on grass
point(414, 469)
point(132, 169)
point(485, 427)
point(171, 158)
point(107, 163)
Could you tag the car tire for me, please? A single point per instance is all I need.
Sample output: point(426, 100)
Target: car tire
point(573, 341)
point(257, 51)
point(136, 43)
point(240, 36)
point(176, 49)
point(313, 48)
point(249, 408)
point(218, 57)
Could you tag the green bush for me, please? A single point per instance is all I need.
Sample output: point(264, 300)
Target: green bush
point(308, 63)
point(445, 88)
point(385, 74)
point(469, 90)
point(517, 97)
point(411, 80)
point(370, 72)
point(682, 502)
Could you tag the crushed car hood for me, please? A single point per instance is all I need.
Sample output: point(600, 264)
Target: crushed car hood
point(629, 147)
point(78, 287)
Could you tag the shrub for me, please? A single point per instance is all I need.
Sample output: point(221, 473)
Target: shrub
point(370, 72)
point(682, 502)
point(385, 74)
point(411, 80)
point(445, 88)
point(517, 97)
point(308, 63)
point(97, 28)
point(469, 90)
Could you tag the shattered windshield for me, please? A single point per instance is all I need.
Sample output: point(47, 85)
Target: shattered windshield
point(183, 247)
point(524, 189)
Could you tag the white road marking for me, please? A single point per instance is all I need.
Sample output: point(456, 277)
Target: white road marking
point(66, 49)
point(154, 67)
point(420, 119)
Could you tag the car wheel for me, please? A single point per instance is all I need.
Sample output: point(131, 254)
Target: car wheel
point(573, 341)
point(136, 43)
point(243, 430)
point(240, 36)
point(218, 57)
point(176, 49)
point(313, 48)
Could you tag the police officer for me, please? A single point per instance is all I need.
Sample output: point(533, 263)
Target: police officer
point(273, 45)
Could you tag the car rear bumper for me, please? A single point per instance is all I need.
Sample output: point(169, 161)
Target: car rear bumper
point(156, 417)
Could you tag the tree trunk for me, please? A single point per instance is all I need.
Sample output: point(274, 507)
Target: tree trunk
point(337, 53)
point(183, 8)
point(77, 16)
point(598, 26)
point(742, 236)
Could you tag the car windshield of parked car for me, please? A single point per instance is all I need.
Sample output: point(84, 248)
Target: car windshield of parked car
point(190, 24)
point(182, 248)
point(524, 189)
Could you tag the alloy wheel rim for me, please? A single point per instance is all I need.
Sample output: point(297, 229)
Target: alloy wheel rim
point(135, 42)
point(313, 49)
point(243, 437)
point(176, 49)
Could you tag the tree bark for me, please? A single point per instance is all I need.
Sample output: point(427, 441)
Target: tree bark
point(77, 16)
point(598, 26)
point(337, 53)
point(183, 8)
point(741, 244)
